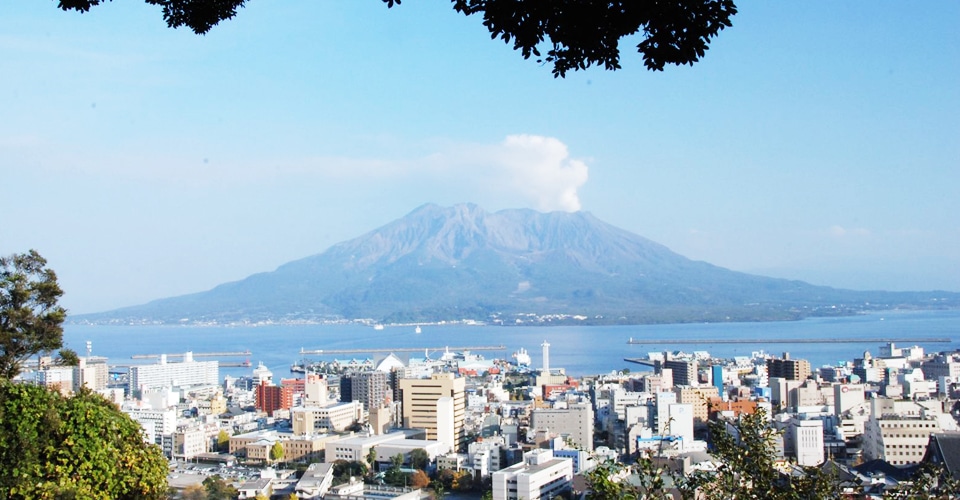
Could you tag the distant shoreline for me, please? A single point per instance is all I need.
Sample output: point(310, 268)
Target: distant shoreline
point(526, 320)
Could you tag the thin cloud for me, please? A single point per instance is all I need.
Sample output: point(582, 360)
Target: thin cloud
point(838, 231)
point(523, 170)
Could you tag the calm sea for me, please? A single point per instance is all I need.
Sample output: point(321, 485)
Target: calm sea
point(581, 350)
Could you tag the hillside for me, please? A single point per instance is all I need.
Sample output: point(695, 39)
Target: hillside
point(452, 263)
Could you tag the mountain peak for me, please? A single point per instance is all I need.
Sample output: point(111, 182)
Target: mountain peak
point(458, 262)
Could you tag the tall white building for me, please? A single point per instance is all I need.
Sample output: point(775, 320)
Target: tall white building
point(485, 455)
point(546, 356)
point(663, 402)
point(680, 423)
point(314, 390)
point(804, 441)
point(184, 374)
point(446, 430)
point(847, 396)
point(540, 475)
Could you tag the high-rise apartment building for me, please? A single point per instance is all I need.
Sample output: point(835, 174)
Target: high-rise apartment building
point(790, 369)
point(271, 398)
point(163, 374)
point(942, 365)
point(684, 370)
point(369, 387)
point(92, 373)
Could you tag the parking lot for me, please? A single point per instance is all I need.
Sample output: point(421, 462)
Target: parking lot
point(191, 473)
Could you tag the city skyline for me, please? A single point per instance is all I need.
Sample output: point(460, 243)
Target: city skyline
point(814, 141)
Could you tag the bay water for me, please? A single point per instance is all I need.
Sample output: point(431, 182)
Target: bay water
point(581, 350)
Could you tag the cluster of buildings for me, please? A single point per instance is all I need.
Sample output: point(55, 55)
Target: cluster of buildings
point(871, 417)
point(530, 433)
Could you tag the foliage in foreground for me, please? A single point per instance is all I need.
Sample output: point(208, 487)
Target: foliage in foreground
point(748, 470)
point(573, 34)
point(30, 318)
point(82, 447)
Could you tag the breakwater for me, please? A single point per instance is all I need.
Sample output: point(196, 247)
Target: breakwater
point(773, 340)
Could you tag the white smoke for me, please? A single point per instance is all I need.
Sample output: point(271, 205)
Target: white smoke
point(541, 169)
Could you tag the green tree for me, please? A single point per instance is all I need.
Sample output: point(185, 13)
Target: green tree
point(748, 466)
point(439, 490)
point(67, 357)
point(747, 470)
point(419, 458)
point(53, 447)
point(371, 459)
point(394, 475)
point(30, 319)
point(569, 34)
point(218, 489)
point(276, 451)
point(194, 492)
point(343, 469)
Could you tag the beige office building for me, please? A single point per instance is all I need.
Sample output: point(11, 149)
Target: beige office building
point(420, 404)
point(899, 431)
point(698, 398)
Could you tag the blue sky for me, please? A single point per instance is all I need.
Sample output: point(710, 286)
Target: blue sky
point(816, 141)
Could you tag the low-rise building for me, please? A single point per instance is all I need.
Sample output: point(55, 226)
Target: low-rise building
point(335, 417)
point(355, 448)
point(316, 481)
point(256, 445)
point(540, 475)
point(189, 441)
